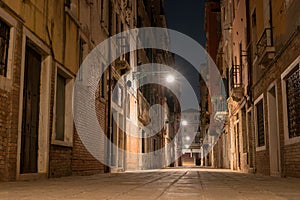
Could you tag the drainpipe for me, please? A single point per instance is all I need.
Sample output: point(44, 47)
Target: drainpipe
point(271, 21)
point(109, 119)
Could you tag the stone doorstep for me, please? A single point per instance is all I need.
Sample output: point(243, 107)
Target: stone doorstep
point(116, 170)
point(32, 176)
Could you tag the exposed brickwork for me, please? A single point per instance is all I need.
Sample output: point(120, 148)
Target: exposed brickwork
point(262, 164)
point(289, 154)
point(9, 113)
point(4, 116)
point(65, 161)
point(291, 160)
point(60, 157)
point(83, 163)
point(60, 161)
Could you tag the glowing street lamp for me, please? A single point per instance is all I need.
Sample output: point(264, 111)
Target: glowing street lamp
point(170, 78)
point(184, 122)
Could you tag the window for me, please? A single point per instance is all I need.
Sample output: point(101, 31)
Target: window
point(118, 95)
point(60, 107)
point(143, 142)
point(195, 117)
point(63, 122)
point(254, 33)
point(235, 75)
point(260, 124)
point(290, 80)
point(4, 43)
point(82, 54)
point(293, 102)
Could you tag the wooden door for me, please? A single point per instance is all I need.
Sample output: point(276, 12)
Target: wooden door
point(30, 119)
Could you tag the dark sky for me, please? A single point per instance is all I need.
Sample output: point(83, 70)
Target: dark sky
point(187, 16)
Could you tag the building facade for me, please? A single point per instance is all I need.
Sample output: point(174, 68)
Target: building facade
point(42, 47)
point(275, 80)
point(260, 50)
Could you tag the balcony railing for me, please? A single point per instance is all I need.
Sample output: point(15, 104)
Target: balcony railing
point(236, 82)
point(236, 76)
point(265, 46)
point(219, 108)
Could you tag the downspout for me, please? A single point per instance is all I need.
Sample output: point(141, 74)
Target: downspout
point(271, 21)
point(109, 122)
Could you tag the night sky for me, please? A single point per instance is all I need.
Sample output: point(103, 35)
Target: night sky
point(187, 17)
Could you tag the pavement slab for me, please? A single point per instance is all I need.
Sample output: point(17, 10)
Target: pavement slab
point(162, 184)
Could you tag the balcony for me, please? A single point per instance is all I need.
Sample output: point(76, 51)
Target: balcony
point(265, 51)
point(236, 84)
point(219, 108)
point(122, 64)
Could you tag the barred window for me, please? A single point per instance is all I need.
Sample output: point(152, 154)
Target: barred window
point(293, 102)
point(260, 124)
point(4, 42)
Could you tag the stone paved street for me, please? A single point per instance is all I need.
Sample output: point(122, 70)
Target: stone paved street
point(157, 184)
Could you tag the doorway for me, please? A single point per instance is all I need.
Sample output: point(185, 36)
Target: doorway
point(273, 132)
point(30, 116)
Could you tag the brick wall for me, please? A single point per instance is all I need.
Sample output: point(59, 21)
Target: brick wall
point(83, 163)
point(262, 161)
point(76, 160)
point(289, 154)
point(9, 113)
point(60, 157)
point(4, 117)
point(291, 160)
point(60, 161)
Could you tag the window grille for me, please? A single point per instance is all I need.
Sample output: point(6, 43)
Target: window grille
point(260, 124)
point(4, 42)
point(293, 102)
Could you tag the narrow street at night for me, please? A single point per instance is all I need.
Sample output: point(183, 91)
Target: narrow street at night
point(149, 99)
point(181, 183)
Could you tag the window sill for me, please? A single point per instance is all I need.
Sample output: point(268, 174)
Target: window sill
point(289, 141)
point(62, 143)
point(262, 148)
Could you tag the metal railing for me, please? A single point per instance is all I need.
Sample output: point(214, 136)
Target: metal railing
point(266, 40)
point(236, 76)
